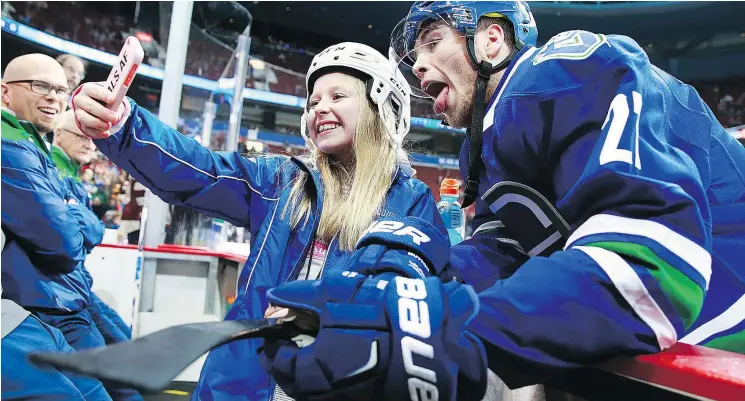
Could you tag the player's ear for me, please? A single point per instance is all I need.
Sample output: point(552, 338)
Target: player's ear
point(494, 35)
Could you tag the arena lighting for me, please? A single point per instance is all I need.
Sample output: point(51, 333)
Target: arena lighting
point(257, 64)
point(36, 36)
point(254, 146)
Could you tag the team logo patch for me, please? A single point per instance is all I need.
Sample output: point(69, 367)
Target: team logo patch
point(528, 217)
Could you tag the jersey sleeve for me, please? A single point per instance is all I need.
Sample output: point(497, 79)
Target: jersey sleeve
point(182, 172)
point(35, 211)
point(490, 254)
point(633, 274)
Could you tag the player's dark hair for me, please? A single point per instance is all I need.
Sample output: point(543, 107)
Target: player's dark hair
point(504, 23)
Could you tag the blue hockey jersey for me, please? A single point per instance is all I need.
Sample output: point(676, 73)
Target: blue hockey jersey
point(612, 212)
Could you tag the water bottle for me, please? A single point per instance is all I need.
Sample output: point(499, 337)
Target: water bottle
point(450, 211)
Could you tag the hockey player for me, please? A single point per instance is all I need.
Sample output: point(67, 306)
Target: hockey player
point(610, 215)
point(305, 214)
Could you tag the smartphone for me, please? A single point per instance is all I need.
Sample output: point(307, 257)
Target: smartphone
point(124, 70)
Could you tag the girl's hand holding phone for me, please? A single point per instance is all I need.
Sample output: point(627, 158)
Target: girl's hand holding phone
point(99, 106)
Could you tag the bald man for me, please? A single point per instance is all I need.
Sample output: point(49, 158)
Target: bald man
point(70, 150)
point(48, 233)
point(44, 241)
point(35, 88)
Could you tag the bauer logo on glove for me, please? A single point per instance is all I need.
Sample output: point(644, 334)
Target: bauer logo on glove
point(397, 228)
point(382, 337)
point(408, 246)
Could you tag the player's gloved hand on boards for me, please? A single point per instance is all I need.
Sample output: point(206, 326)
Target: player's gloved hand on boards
point(406, 246)
point(91, 116)
point(385, 336)
point(380, 338)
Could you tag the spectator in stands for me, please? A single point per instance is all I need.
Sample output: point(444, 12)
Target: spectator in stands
point(45, 239)
point(74, 69)
point(113, 219)
point(33, 93)
point(49, 232)
point(87, 179)
point(71, 149)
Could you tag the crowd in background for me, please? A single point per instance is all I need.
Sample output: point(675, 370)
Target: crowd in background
point(208, 59)
point(63, 19)
point(115, 197)
point(204, 58)
point(726, 99)
point(109, 187)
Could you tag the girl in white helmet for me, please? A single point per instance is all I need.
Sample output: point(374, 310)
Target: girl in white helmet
point(306, 214)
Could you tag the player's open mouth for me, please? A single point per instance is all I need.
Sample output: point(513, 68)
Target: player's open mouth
point(439, 92)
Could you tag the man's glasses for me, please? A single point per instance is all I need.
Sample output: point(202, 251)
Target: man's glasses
point(43, 88)
point(81, 137)
point(80, 75)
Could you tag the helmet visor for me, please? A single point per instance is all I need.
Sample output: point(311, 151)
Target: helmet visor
point(412, 37)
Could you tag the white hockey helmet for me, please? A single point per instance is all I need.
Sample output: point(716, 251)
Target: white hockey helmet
point(384, 83)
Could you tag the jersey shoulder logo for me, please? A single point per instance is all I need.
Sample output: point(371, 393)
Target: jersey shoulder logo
point(571, 45)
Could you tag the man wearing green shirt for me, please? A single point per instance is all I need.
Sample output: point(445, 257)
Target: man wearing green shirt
point(45, 241)
point(70, 150)
point(48, 231)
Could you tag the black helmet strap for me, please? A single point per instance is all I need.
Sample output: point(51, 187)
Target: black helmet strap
point(476, 132)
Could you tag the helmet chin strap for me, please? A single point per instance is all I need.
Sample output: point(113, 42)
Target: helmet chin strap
point(475, 132)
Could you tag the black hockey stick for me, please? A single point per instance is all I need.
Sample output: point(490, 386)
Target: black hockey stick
point(149, 363)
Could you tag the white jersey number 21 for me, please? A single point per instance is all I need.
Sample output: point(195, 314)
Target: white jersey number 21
point(620, 111)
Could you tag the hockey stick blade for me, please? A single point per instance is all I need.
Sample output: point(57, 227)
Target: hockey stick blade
point(149, 363)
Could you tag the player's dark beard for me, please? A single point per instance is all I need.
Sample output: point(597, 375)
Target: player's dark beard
point(465, 111)
point(460, 117)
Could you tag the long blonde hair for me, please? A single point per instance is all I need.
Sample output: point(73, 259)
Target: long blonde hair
point(353, 196)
